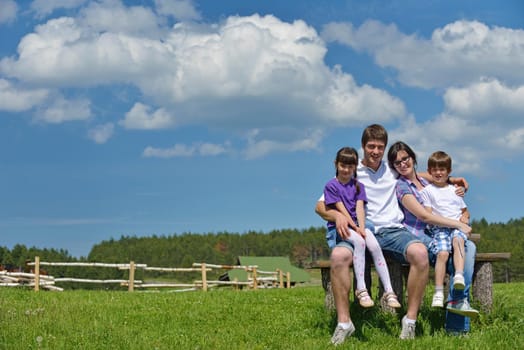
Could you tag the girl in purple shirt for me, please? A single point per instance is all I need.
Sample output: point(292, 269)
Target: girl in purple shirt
point(348, 196)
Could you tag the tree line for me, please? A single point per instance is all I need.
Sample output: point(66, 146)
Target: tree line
point(301, 246)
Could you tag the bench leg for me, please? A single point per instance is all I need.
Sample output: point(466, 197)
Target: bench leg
point(483, 285)
point(329, 300)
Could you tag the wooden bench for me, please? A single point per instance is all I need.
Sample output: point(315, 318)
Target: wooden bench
point(482, 286)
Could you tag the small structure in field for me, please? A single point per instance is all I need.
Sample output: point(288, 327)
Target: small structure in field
point(268, 268)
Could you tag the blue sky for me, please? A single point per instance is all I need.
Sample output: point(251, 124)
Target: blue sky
point(164, 117)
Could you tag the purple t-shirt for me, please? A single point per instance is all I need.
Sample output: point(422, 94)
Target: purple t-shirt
point(411, 222)
point(335, 192)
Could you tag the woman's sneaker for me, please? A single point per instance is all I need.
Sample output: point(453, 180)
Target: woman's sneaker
point(461, 307)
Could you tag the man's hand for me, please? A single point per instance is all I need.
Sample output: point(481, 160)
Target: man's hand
point(342, 224)
point(461, 185)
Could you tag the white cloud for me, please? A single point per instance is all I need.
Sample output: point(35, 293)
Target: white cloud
point(210, 149)
point(481, 121)
point(101, 133)
point(114, 17)
point(258, 146)
point(454, 55)
point(479, 69)
point(179, 9)
point(18, 99)
point(486, 99)
point(141, 117)
point(345, 102)
point(209, 73)
point(8, 11)
point(61, 110)
point(260, 73)
point(490, 114)
point(88, 51)
point(514, 140)
point(43, 8)
point(448, 133)
point(180, 150)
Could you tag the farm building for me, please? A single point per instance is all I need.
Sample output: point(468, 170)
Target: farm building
point(267, 264)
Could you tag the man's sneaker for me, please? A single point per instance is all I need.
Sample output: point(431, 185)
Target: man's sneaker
point(341, 334)
point(438, 300)
point(408, 329)
point(461, 307)
point(458, 282)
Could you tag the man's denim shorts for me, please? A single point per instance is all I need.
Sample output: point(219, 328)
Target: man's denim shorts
point(334, 240)
point(395, 241)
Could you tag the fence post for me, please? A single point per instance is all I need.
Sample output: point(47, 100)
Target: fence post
point(131, 285)
point(281, 278)
point(288, 277)
point(37, 273)
point(255, 283)
point(204, 277)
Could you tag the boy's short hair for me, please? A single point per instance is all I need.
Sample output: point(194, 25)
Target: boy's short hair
point(439, 159)
point(374, 132)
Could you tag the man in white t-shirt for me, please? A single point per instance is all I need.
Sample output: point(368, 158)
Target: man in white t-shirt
point(384, 218)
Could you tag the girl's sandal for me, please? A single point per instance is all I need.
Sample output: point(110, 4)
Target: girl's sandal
point(363, 298)
point(391, 300)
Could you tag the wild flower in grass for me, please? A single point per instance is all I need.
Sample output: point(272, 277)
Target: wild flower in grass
point(11, 312)
point(34, 312)
point(39, 340)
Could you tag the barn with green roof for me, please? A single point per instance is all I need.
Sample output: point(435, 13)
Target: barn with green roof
point(268, 263)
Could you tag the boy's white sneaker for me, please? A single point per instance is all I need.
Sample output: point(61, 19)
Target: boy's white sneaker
point(458, 282)
point(438, 300)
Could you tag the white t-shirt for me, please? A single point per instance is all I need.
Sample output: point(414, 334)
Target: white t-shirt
point(382, 208)
point(443, 201)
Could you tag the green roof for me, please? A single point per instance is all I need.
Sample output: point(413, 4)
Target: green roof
point(268, 263)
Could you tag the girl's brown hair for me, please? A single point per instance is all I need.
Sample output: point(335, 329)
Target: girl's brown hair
point(349, 156)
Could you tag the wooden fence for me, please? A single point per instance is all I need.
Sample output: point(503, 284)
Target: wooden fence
point(256, 278)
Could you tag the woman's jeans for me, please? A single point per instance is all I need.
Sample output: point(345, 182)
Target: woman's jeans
point(457, 323)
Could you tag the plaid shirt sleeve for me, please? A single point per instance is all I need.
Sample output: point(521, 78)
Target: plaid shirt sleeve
point(403, 189)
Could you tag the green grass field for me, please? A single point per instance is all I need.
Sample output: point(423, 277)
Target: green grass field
point(228, 319)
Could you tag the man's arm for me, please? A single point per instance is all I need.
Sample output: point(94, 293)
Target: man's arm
point(329, 214)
